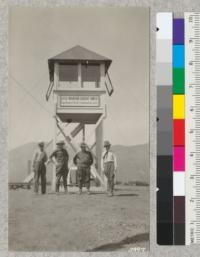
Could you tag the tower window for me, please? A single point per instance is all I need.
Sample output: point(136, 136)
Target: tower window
point(68, 72)
point(90, 72)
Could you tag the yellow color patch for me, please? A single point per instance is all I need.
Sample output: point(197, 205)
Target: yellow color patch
point(178, 106)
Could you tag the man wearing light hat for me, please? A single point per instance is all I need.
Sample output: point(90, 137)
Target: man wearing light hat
point(83, 160)
point(109, 166)
point(61, 158)
point(39, 168)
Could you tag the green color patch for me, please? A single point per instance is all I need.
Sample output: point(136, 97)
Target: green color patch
point(178, 81)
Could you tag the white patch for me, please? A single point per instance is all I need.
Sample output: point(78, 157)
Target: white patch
point(179, 183)
point(164, 24)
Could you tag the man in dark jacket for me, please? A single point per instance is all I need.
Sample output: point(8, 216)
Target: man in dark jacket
point(61, 158)
point(39, 168)
point(83, 160)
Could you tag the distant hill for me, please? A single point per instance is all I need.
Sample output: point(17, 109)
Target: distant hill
point(133, 162)
point(18, 161)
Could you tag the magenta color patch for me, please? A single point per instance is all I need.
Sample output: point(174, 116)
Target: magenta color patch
point(179, 158)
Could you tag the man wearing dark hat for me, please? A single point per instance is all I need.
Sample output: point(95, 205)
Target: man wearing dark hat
point(39, 168)
point(109, 166)
point(83, 160)
point(61, 158)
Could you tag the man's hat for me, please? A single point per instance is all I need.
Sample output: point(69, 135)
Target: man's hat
point(60, 142)
point(41, 143)
point(83, 144)
point(107, 143)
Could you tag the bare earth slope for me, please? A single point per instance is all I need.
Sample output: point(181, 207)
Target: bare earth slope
point(79, 223)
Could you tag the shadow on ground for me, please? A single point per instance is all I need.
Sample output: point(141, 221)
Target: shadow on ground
point(118, 245)
point(91, 193)
point(124, 189)
point(115, 195)
point(126, 195)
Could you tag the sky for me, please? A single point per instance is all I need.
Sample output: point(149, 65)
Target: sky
point(37, 34)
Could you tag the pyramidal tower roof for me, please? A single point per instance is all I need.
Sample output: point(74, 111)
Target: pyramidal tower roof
point(76, 54)
point(79, 53)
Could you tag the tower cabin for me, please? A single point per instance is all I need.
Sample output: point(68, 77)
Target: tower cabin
point(79, 81)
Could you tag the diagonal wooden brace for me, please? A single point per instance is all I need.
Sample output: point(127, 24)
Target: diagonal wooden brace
point(77, 129)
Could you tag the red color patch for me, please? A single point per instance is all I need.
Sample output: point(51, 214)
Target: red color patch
point(179, 132)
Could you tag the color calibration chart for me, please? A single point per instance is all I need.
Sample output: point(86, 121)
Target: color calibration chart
point(178, 128)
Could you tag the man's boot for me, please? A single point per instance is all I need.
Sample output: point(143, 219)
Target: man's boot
point(65, 189)
point(80, 191)
point(57, 189)
point(108, 188)
point(110, 193)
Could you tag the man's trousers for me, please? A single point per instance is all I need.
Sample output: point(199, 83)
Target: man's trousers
point(62, 175)
point(83, 176)
point(40, 172)
point(110, 175)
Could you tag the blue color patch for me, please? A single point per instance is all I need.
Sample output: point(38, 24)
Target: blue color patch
point(178, 56)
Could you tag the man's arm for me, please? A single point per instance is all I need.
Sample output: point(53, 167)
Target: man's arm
point(45, 157)
point(33, 160)
point(66, 154)
point(115, 162)
point(75, 159)
point(91, 158)
point(53, 155)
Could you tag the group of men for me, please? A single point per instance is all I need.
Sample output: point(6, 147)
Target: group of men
point(83, 161)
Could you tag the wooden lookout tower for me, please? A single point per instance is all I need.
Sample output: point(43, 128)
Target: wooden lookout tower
point(79, 81)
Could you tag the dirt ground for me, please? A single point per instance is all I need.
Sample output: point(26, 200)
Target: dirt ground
point(71, 222)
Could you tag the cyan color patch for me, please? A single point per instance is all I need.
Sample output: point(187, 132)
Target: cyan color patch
point(178, 56)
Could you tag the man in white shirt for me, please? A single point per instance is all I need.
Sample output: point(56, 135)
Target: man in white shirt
point(39, 168)
point(109, 166)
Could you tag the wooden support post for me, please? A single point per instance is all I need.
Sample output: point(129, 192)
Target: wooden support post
point(56, 81)
point(53, 182)
point(99, 145)
point(79, 75)
point(102, 75)
point(83, 132)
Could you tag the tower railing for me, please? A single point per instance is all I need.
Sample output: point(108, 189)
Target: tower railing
point(108, 84)
point(49, 90)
